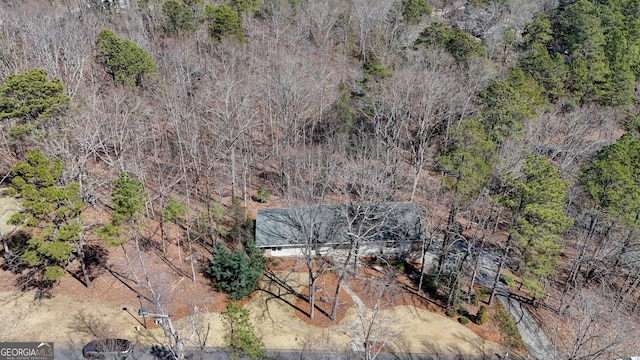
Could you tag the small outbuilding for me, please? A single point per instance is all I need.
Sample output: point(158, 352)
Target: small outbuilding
point(383, 228)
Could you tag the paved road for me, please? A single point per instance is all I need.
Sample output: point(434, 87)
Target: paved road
point(538, 345)
point(63, 352)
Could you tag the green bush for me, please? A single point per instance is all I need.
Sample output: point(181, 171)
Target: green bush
point(474, 300)
point(430, 284)
point(508, 328)
point(263, 194)
point(450, 313)
point(454, 40)
point(463, 320)
point(483, 293)
point(509, 278)
point(482, 316)
point(399, 265)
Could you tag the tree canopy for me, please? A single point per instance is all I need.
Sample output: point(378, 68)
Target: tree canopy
point(537, 199)
point(237, 273)
point(184, 15)
point(454, 40)
point(127, 62)
point(31, 99)
point(51, 213)
point(613, 180)
point(128, 198)
point(224, 22)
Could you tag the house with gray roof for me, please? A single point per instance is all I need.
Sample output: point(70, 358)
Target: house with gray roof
point(383, 228)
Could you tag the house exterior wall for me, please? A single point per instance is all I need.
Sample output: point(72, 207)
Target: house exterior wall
point(365, 249)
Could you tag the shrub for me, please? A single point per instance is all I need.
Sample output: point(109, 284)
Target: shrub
point(462, 311)
point(474, 300)
point(430, 284)
point(450, 313)
point(399, 265)
point(483, 293)
point(482, 316)
point(509, 279)
point(263, 194)
point(508, 328)
point(463, 320)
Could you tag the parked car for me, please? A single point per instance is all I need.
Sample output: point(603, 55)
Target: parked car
point(107, 349)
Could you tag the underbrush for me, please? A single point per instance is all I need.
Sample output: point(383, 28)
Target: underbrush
point(508, 328)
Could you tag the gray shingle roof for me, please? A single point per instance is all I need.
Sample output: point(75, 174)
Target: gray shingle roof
point(337, 224)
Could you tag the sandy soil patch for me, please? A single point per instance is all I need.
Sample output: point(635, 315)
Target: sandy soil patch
point(8, 207)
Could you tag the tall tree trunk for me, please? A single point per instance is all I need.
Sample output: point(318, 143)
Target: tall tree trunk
point(312, 292)
point(472, 281)
point(336, 296)
point(343, 273)
point(423, 260)
point(83, 266)
point(133, 273)
point(442, 257)
point(233, 172)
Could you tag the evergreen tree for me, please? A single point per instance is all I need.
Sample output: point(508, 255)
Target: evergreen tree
point(240, 334)
point(454, 40)
point(580, 31)
point(613, 180)
point(127, 62)
point(51, 212)
point(536, 197)
point(129, 198)
point(466, 166)
point(181, 15)
point(537, 31)
point(549, 72)
point(236, 273)
point(507, 103)
point(414, 10)
point(30, 99)
point(224, 22)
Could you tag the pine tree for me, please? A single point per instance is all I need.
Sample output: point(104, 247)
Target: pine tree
point(224, 22)
point(181, 15)
point(127, 62)
point(30, 100)
point(51, 213)
point(240, 334)
point(536, 198)
point(236, 273)
point(129, 198)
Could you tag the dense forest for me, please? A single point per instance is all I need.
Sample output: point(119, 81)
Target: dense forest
point(506, 116)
